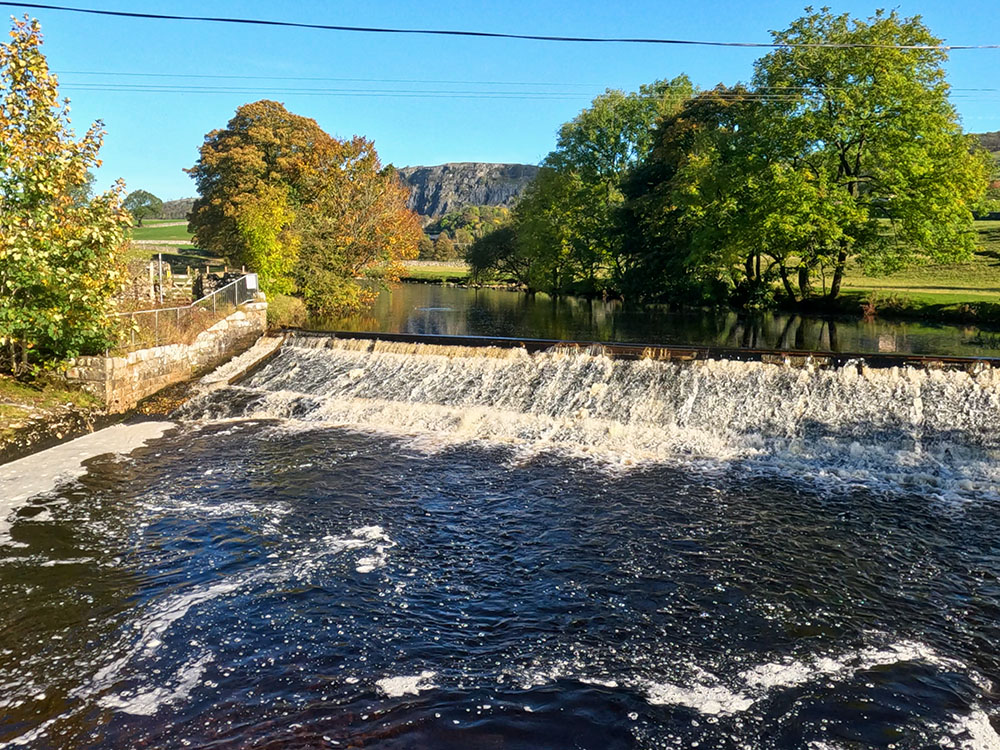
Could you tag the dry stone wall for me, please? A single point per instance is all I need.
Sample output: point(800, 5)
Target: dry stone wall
point(122, 382)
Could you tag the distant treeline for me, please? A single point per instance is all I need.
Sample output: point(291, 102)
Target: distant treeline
point(178, 209)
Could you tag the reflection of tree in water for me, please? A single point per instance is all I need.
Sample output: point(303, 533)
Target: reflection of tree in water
point(435, 309)
point(65, 593)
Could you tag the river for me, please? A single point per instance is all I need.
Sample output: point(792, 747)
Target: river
point(432, 308)
point(396, 546)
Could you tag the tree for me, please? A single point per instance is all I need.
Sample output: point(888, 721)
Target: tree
point(425, 248)
point(569, 214)
point(871, 123)
point(349, 216)
point(837, 154)
point(497, 253)
point(270, 247)
point(142, 205)
point(444, 248)
point(60, 251)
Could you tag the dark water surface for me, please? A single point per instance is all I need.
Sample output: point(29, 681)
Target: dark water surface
point(250, 584)
point(430, 308)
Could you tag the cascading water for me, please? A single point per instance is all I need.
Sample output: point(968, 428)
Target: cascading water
point(926, 428)
point(398, 546)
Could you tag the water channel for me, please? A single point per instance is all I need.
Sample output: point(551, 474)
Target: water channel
point(400, 546)
point(432, 308)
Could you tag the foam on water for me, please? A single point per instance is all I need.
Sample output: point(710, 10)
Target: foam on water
point(924, 430)
point(397, 687)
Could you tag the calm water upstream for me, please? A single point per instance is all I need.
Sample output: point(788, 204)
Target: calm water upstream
point(430, 308)
point(429, 547)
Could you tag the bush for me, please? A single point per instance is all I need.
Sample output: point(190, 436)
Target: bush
point(285, 311)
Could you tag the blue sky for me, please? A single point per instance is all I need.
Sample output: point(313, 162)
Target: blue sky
point(153, 135)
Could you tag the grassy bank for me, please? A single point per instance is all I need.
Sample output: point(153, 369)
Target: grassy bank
point(22, 401)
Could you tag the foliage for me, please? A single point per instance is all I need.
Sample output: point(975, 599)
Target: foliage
point(444, 248)
point(836, 153)
point(142, 205)
point(285, 311)
point(60, 253)
point(470, 223)
point(263, 225)
point(497, 254)
point(990, 141)
point(566, 223)
point(349, 216)
point(425, 248)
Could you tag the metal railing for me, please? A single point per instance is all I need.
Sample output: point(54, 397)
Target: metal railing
point(180, 325)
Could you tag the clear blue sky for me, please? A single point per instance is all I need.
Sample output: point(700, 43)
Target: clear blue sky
point(152, 136)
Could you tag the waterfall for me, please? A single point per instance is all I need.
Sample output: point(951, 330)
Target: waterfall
point(932, 430)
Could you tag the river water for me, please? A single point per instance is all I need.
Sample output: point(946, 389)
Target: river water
point(396, 546)
point(432, 308)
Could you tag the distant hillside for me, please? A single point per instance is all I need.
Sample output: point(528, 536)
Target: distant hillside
point(990, 141)
point(435, 191)
point(177, 209)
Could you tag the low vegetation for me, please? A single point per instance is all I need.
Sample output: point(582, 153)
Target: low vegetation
point(285, 311)
point(20, 401)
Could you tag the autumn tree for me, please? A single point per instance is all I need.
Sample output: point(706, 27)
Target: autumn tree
point(338, 216)
point(142, 205)
point(60, 250)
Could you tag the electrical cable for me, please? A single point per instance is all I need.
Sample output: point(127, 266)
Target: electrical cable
point(486, 34)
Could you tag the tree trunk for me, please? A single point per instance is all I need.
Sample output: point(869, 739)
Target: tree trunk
point(838, 272)
point(786, 282)
point(805, 284)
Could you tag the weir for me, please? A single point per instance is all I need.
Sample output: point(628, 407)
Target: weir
point(618, 350)
point(929, 428)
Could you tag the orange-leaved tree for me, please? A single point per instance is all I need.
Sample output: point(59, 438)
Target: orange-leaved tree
point(60, 250)
point(324, 212)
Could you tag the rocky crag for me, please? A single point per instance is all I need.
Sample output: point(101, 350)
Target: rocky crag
point(434, 191)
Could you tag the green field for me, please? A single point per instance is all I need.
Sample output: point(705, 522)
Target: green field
point(177, 233)
point(429, 271)
point(950, 284)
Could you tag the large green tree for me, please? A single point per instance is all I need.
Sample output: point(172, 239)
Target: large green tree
point(870, 122)
point(845, 149)
point(60, 250)
point(142, 205)
point(565, 225)
point(336, 214)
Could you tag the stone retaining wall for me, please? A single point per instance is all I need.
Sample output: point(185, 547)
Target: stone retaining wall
point(122, 382)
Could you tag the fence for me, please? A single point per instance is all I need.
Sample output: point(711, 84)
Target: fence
point(180, 325)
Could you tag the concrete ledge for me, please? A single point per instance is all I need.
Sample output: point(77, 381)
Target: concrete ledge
point(122, 382)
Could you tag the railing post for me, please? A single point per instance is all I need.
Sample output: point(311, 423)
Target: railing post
point(156, 328)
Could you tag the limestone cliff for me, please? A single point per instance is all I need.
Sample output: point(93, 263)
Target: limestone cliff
point(435, 191)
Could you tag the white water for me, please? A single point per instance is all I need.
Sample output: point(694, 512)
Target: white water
point(930, 431)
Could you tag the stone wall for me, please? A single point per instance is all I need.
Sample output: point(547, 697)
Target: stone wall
point(122, 382)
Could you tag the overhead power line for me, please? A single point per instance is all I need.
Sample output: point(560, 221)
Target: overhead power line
point(482, 34)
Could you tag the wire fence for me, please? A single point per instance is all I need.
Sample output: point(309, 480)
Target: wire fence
point(143, 329)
